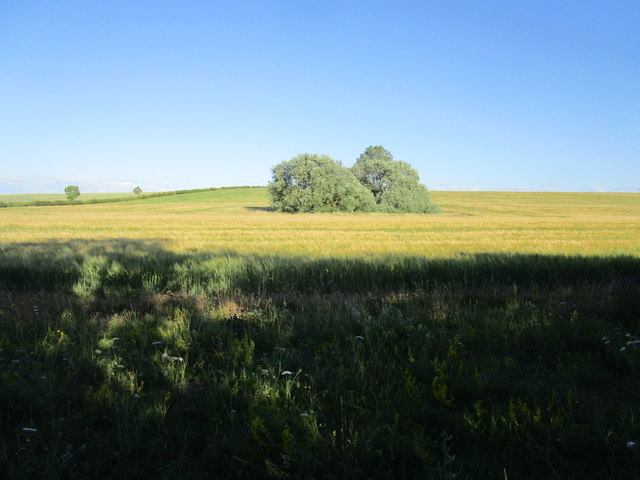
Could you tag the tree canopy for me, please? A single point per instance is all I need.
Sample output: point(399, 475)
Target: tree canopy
point(394, 184)
point(72, 192)
point(372, 169)
point(377, 182)
point(316, 183)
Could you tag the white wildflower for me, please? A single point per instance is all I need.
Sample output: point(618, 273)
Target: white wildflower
point(358, 337)
point(176, 359)
point(97, 352)
point(29, 429)
point(631, 444)
point(623, 349)
point(286, 372)
point(304, 415)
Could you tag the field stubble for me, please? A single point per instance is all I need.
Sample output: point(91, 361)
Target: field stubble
point(473, 222)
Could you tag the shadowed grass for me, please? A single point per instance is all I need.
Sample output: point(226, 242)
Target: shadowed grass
point(116, 267)
point(124, 359)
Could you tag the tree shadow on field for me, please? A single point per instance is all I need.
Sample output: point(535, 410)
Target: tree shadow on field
point(125, 267)
point(121, 358)
point(260, 209)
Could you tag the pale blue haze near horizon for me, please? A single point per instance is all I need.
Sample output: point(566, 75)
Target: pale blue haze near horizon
point(491, 95)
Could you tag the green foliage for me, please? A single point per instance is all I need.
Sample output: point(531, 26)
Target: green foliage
point(50, 203)
point(137, 191)
point(394, 184)
point(374, 169)
point(124, 360)
point(72, 192)
point(478, 367)
point(316, 183)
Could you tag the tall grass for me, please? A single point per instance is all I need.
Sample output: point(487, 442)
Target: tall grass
point(125, 359)
point(119, 267)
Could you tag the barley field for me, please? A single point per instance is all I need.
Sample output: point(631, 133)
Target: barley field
point(239, 221)
point(201, 334)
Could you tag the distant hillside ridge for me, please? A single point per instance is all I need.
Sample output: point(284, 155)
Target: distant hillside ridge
point(114, 199)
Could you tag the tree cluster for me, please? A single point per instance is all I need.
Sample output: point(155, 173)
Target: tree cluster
point(376, 183)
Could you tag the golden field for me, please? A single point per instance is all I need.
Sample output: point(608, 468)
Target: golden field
point(239, 221)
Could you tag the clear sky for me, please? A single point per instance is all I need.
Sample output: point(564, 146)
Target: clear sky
point(491, 95)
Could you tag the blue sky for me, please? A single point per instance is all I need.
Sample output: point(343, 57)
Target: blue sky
point(491, 95)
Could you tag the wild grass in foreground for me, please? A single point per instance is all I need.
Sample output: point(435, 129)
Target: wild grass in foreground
point(122, 360)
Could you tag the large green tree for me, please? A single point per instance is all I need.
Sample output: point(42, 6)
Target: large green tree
point(316, 183)
point(395, 185)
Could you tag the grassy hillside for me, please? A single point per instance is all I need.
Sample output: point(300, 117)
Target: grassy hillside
point(24, 198)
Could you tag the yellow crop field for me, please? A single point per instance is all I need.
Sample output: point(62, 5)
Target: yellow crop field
point(239, 221)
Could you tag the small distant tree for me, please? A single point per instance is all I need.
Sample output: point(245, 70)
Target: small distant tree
point(72, 192)
point(137, 191)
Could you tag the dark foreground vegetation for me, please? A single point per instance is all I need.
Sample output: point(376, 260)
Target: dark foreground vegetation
point(123, 360)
